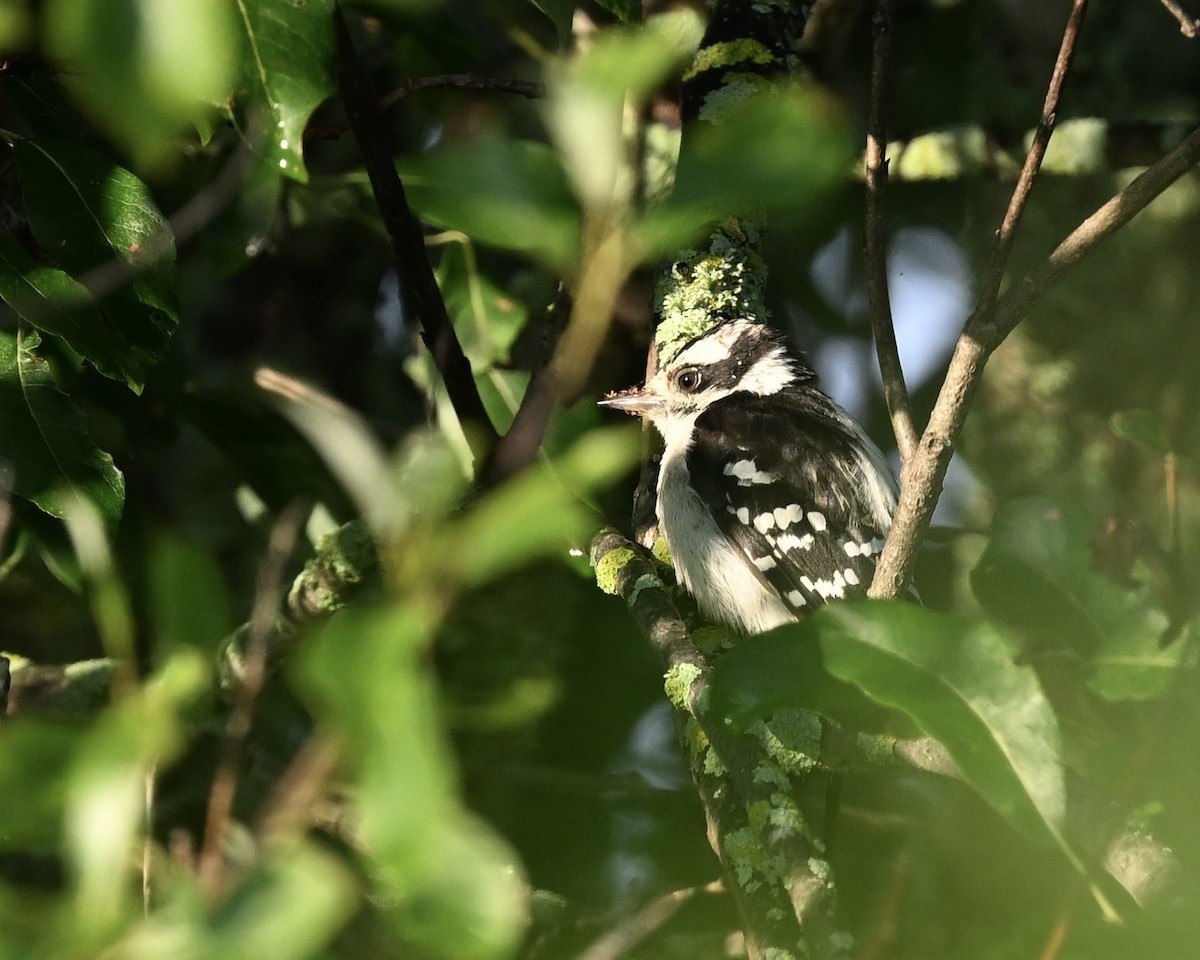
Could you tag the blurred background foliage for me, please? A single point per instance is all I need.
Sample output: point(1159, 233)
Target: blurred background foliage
point(474, 760)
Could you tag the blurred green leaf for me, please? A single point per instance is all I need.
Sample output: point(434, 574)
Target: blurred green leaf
point(188, 602)
point(508, 193)
point(1036, 576)
point(144, 68)
point(286, 70)
point(1142, 427)
point(1134, 665)
point(590, 94)
point(288, 907)
point(106, 794)
point(46, 440)
point(96, 219)
point(451, 887)
point(956, 679)
point(34, 756)
point(541, 511)
point(779, 152)
point(16, 26)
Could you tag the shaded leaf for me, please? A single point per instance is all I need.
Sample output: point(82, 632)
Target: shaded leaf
point(46, 440)
point(956, 679)
point(486, 318)
point(1036, 576)
point(33, 762)
point(286, 70)
point(1143, 427)
point(144, 68)
point(188, 602)
point(91, 215)
point(55, 303)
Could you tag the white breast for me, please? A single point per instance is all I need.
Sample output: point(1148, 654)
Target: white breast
point(726, 585)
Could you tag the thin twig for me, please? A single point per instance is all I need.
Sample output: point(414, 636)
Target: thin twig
point(925, 472)
point(454, 81)
point(267, 599)
point(519, 447)
point(417, 283)
point(1189, 26)
point(463, 81)
point(1033, 163)
point(894, 390)
point(634, 929)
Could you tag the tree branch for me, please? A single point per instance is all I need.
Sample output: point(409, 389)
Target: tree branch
point(894, 390)
point(417, 282)
point(1029, 170)
point(984, 331)
point(1189, 26)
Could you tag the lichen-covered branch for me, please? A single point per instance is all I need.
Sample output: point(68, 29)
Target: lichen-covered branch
point(750, 782)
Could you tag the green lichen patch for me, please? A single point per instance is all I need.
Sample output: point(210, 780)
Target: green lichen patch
point(791, 738)
point(608, 569)
point(729, 53)
point(678, 683)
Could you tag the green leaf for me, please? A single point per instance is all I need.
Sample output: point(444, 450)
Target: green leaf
point(591, 94)
point(56, 303)
point(144, 68)
point(106, 790)
point(53, 457)
point(957, 681)
point(1134, 665)
point(782, 151)
point(780, 669)
point(1036, 577)
point(97, 219)
point(540, 512)
point(33, 762)
point(188, 602)
point(510, 194)
point(1143, 427)
point(486, 318)
point(286, 70)
point(287, 908)
point(451, 887)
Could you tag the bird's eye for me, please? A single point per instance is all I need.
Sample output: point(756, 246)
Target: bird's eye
point(688, 379)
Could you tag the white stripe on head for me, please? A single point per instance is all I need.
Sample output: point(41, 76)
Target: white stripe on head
point(713, 347)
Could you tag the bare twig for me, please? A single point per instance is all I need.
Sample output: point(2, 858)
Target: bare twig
point(519, 447)
point(417, 282)
point(1033, 163)
point(1189, 26)
point(267, 598)
point(894, 390)
point(634, 929)
point(923, 474)
point(463, 81)
point(454, 81)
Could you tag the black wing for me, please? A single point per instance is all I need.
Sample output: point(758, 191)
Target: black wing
point(801, 505)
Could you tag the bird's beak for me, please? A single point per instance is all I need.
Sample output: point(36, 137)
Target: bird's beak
point(636, 401)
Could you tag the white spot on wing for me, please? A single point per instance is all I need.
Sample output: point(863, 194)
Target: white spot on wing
point(743, 515)
point(817, 520)
point(785, 516)
point(795, 598)
point(851, 577)
point(764, 563)
point(764, 522)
